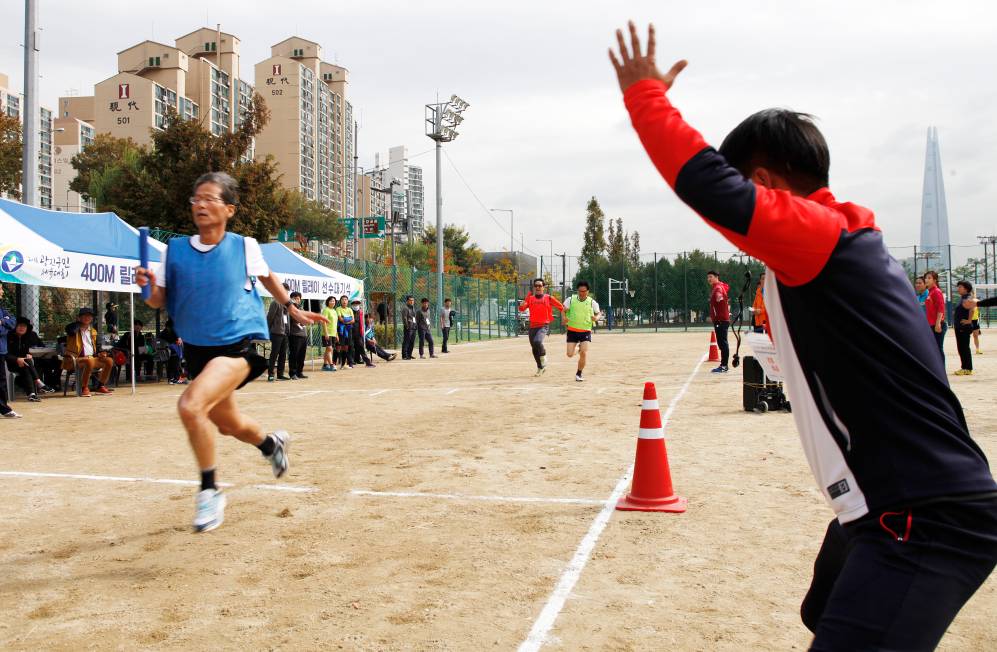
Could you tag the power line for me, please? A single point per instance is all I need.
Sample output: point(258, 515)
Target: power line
point(484, 207)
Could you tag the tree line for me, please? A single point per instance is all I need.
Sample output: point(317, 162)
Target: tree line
point(663, 289)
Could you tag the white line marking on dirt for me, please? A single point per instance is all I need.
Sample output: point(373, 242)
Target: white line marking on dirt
point(566, 584)
point(379, 392)
point(495, 499)
point(110, 478)
point(453, 391)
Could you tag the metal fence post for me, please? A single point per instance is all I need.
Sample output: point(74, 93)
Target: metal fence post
point(685, 286)
point(655, 313)
point(478, 311)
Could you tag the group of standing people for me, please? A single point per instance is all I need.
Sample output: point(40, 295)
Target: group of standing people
point(419, 322)
point(965, 317)
point(348, 338)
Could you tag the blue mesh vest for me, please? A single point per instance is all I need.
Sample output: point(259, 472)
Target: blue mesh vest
point(206, 294)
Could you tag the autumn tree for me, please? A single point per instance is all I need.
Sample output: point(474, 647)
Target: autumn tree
point(311, 221)
point(11, 155)
point(461, 254)
point(503, 271)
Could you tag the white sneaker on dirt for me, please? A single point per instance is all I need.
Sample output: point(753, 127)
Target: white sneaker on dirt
point(578, 377)
point(278, 459)
point(12, 415)
point(210, 510)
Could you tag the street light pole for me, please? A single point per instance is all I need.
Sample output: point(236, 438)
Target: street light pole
point(551, 243)
point(512, 226)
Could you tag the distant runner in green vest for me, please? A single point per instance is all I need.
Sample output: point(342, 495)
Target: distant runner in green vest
point(581, 311)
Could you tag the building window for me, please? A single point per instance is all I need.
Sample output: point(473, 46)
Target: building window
point(153, 62)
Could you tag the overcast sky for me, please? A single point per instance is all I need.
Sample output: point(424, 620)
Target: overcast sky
point(547, 129)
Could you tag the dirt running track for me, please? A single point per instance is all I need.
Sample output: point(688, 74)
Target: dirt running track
point(97, 564)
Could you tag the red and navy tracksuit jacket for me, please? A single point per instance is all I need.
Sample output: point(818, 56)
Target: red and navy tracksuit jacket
point(879, 424)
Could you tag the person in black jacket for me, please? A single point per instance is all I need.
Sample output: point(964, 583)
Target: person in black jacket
point(298, 339)
point(140, 355)
point(357, 336)
point(19, 344)
point(174, 365)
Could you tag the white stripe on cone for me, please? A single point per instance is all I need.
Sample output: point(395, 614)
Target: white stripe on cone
point(651, 433)
point(650, 405)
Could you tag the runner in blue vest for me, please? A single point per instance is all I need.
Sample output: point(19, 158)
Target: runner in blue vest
point(208, 284)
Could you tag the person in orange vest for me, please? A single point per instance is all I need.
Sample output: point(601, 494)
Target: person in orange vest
point(760, 319)
point(541, 306)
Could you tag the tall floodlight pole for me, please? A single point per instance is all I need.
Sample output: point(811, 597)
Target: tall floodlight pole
point(442, 120)
point(31, 129)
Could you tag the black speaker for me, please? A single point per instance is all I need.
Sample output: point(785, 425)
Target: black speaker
point(754, 382)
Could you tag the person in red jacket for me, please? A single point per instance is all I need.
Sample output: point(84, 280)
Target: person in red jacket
point(915, 533)
point(934, 309)
point(541, 306)
point(720, 316)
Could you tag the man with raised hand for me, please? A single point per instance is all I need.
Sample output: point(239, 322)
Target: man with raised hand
point(916, 504)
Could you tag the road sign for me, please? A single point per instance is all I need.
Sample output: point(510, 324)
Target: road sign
point(373, 227)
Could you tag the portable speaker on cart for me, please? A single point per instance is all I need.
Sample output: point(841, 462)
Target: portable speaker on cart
point(759, 393)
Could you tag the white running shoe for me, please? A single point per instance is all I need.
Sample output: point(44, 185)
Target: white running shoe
point(278, 459)
point(210, 510)
point(539, 373)
point(578, 377)
point(12, 415)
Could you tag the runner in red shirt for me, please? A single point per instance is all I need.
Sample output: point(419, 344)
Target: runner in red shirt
point(541, 307)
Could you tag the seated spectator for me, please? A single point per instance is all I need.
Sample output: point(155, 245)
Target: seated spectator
point(19, 360)
point(84, 356)
point(140, 354)
point(371, 342)
point(175, 365)
point(111, 318)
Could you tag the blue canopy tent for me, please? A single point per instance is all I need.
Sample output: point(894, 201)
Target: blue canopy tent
point(86, 251)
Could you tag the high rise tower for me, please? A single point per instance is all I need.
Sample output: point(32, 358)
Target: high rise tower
point(934, 213)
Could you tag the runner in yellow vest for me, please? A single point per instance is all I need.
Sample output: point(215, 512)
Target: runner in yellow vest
point(581, 312)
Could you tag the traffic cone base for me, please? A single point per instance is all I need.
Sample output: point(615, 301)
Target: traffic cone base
point(673, 504)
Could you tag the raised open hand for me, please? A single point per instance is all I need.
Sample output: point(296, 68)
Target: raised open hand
point(631, 67)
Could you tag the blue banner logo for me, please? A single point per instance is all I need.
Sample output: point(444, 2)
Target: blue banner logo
point(12, 261)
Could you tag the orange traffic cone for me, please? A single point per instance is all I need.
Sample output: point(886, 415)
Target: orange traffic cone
point(714, 349)
point(651, 490)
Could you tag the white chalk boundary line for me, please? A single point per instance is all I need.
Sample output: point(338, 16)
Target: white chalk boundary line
point(566, 584)
point(494, 499)
point(110, 478)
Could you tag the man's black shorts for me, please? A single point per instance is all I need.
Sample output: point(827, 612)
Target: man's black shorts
point(577, 337)
point(328, 341)
point(976, 324)
point(198, 357)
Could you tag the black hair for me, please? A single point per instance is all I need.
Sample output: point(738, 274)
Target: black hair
point(713, 272)
point(108, 305)
point(328, 299)
point(139, 322)
point(581, 283)
point(967, 285)
point(933, 274)
point(424, 300)
point(539, 279)
point(447, 299)
point(25, 321)
point(295, 294)
point(408, 296)
point(784, 141)
point(229, 186)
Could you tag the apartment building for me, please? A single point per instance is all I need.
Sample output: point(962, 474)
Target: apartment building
point(311, 131)
point(71, 136)
point(11, 103)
